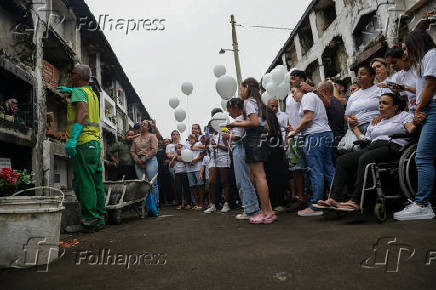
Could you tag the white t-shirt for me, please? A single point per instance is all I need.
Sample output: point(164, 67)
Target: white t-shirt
point(251, 107)
point(238, 131)
point(388, 127)
point(179, 166)
point(283, 123)
point(320, 122)
point(218, 157)
point(292, 110)
point(196, 154)
point(364, 104)
point(428, 69)
point(205, 163)
point(407, 78)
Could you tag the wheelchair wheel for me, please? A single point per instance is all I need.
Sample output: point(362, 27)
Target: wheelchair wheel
point(407, 172)
point(380, 212)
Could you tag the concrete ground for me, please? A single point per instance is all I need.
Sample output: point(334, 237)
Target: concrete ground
point(192, 250)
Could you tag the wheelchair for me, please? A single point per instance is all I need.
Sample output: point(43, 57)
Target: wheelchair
point(405, 171)
point(402, 173)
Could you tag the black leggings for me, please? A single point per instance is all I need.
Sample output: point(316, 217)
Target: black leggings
point(352, 165)
point(182, 186)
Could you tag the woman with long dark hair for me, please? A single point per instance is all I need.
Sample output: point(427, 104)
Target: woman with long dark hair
point(421, 50)
point(255, 146)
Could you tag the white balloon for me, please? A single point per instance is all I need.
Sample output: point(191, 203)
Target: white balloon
point(180, 115)
point(174, 102)
point(287, 77)
point(181, 127)
point(219, 120)
point(187, 155)
point(281, 68)
point(226, 87)
point(265, 98)
point(219, 70)
point(271, 88)
point(187, 88)
point(266, 79)
point(224, 104)
point(277, 75)
point(282, 90)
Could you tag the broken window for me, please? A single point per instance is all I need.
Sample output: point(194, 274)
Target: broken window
point(366, 30)
point(325, 12)
point(16, 99)
point(334, 58)
point(306, 37)
point(312, 71)
point(291, 56)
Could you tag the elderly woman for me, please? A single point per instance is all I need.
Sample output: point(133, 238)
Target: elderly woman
point(362, 106)
point(393, 121)
point(318, 143)
point(144, 149)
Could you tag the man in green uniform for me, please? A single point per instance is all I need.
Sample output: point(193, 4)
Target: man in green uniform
point(84, 147)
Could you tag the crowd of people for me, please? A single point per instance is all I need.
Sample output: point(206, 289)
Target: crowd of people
point(302, 159)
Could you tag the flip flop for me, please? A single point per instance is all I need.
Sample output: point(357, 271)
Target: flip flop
point(321, 204)
point(346, 207)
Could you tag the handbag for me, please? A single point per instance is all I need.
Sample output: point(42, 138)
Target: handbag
point(346, 143)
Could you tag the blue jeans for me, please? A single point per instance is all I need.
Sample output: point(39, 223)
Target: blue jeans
point(318, 151)
point(151, 169)
point(425, 155)
point(246, 189)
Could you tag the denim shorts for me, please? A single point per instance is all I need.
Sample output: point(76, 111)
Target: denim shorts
point(194, 178)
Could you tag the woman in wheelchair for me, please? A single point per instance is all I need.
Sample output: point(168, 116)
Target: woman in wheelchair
point(351, 166)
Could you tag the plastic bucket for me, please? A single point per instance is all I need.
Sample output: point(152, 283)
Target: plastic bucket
point(30, 229)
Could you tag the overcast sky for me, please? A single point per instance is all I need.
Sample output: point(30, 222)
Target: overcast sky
point(158, 62)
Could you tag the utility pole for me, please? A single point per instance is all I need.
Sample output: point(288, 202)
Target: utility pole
point(236, 53)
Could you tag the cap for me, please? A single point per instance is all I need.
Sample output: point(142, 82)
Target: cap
point(137, 126)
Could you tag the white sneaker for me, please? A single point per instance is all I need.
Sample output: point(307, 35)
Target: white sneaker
point(415, 212)
point(225, 208)
point(210, 209)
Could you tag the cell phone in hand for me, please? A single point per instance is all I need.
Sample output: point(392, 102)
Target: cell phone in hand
point(395, 85)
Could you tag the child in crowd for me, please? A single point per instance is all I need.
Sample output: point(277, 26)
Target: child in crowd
point(193, 171)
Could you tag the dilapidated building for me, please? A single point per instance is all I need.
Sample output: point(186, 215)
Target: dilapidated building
point(40, 42)
point(334, 36)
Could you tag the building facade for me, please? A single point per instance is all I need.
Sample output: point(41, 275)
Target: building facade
point(40, 42)
point(334, 36)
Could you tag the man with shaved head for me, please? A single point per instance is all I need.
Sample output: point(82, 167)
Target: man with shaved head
point(83, 146)
point(334, 108)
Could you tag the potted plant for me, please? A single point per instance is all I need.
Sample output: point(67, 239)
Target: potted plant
point(14, 180)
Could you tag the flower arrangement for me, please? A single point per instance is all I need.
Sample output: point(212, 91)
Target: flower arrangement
point(13, 180)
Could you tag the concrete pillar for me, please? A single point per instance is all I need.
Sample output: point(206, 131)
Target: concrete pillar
point(321, 69)
point(98, 67)
point(40, 104)
point(284, 60)
point(312, 20)
point(298, 47)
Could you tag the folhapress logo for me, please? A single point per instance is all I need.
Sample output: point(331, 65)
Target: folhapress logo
point(388, 255)
point(40, 252)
